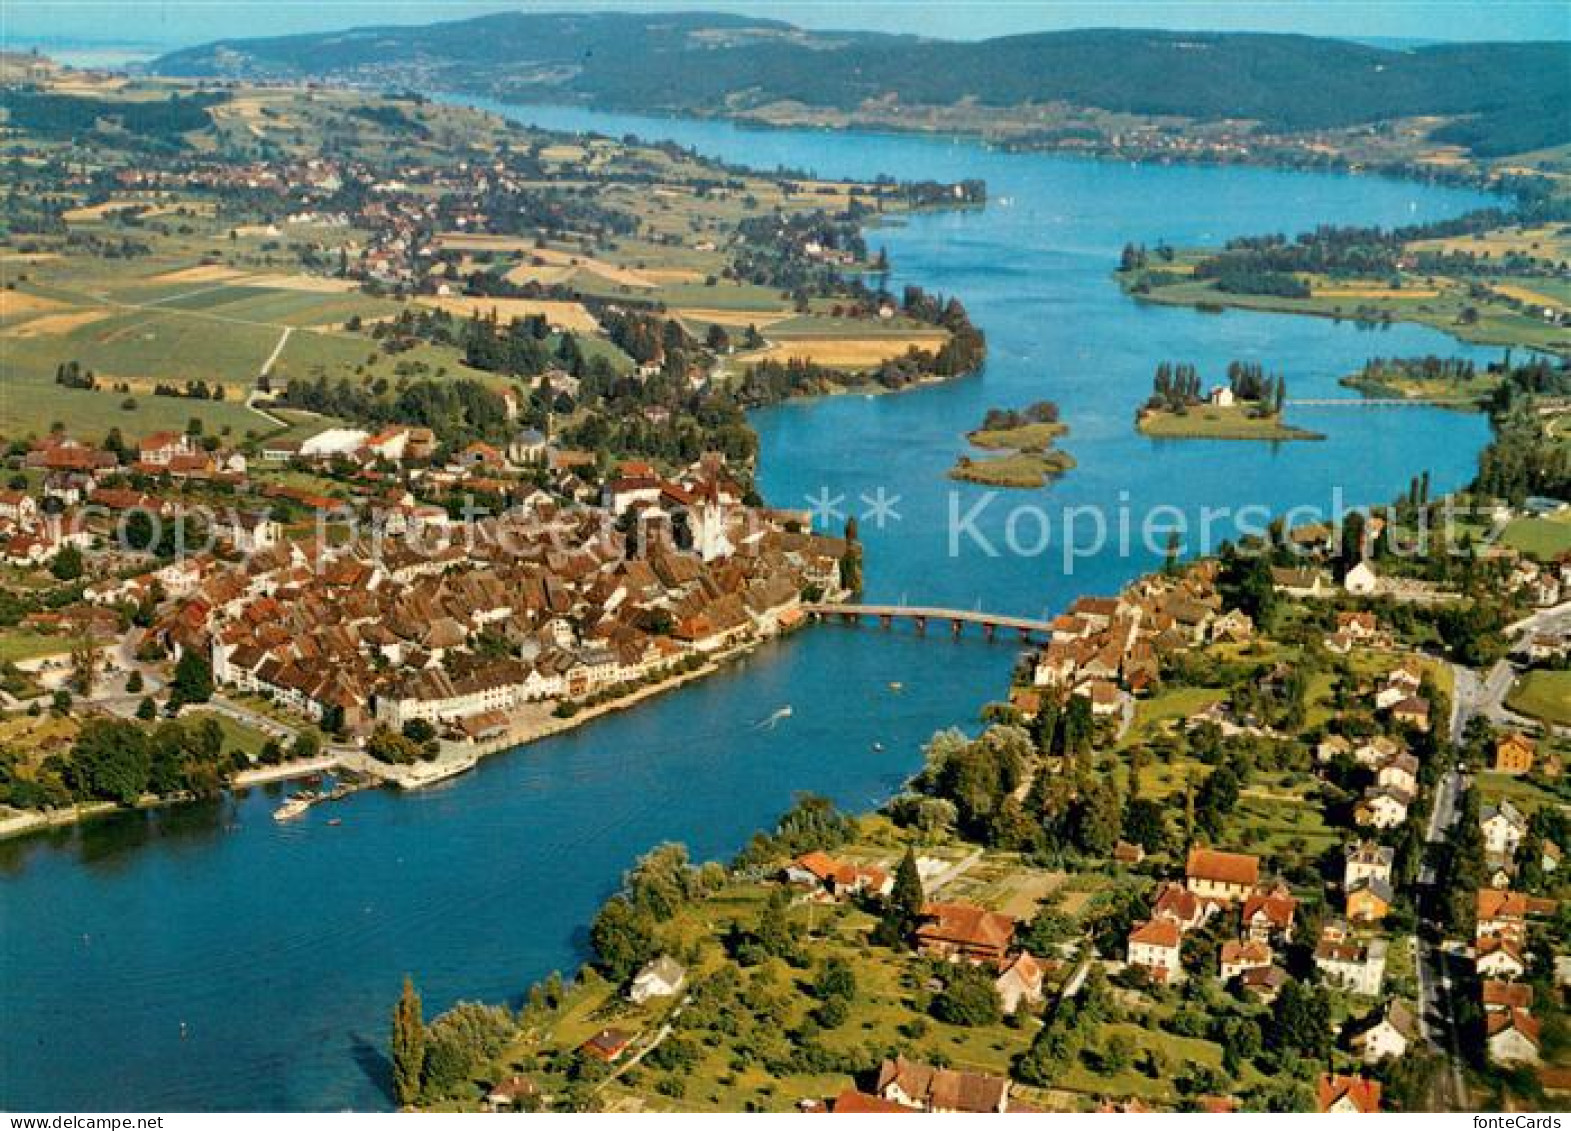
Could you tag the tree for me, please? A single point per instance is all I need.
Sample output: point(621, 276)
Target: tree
point(67, 565)
point(969, 998)
point(1301, 1021)
point(408, 1045)
point(906, 900)
point(84, 667)
point(111, 761)
point(622, 937)
point(1145, 824)
point(147, 710)
point(193, 679)
point(1096, 819)
point(307, 745)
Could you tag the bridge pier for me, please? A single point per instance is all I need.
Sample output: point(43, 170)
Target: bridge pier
point(988, 628)
point(955, 626)
point(885, 619)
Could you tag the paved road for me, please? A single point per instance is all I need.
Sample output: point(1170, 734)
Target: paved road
point(1476, 695)
point(1435, 1011)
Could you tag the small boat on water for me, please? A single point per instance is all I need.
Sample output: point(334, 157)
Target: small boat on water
point(295, 806)
point(775, 719)
point(896, 685)
point(336, 821)
point(878, 748)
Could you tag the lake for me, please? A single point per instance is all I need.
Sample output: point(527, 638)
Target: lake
point(207, 958)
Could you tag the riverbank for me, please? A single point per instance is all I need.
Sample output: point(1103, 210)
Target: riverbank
point(1453, 305)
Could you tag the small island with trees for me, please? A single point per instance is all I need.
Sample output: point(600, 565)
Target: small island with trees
point(1248, 407)
point(1023, 439)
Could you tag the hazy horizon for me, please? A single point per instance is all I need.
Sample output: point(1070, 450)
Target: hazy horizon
point(166, 24)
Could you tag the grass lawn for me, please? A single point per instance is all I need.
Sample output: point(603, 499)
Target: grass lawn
point(1544, 695)
point(1520, 790)
point(1206, 422)
point(1017, 469)
point(1542, 538)
point(1177, 703)
point(18, 645)
point(1035, 437)
point(237, 735)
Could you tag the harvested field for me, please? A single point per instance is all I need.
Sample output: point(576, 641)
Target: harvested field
point(568, 315)
point(849, 353)
point(16, 305)
point(201, 273)
point(311, 284)
point(741, 319)
point(56, 324)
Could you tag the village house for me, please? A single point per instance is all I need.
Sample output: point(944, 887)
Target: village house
point(1347, 1095)
point(962, 932)
point(660, 977)
point(1300, 582)
point(1504, 914)
point(1503, 827)
point(834, 879)
point(516, 1093)
point(1389, 1035)
point(917, 1085)
point(1020, 983)
point(1514, 753)
point(1177, 904)
point(1499, 958)
point(159, 448)
point(1498, 996)
point(1356, 966)
point(607, 1045)
point(1268, 915)
point(1155, 947)
point(1238, 957)
point(1513, 1037)
point(18, 507)
point(1369, 900)
point(249, 532)
point(1221, 876)
point(1367, 860)
point(1380, 808)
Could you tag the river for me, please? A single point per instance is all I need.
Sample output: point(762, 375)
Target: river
point(206, 958)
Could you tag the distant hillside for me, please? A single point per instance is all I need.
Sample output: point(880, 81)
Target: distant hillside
point(715, 64)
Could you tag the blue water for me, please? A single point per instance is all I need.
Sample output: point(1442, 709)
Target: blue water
point(206, 957)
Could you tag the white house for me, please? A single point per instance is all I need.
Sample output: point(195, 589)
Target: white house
point(1361, 580)
point(1381, 809)
point(660, 977)
point(1020, 983)
point(1390, 1036)
point(1503, 827)
point(1367, 861)
point(1500, 959)
point(1154, 946)
point(1513, 1037)
point(249, 532)
point(1355, 966)
point(334, 442)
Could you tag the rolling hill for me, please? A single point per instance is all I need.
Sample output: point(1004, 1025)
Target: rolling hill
point(697, 63)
